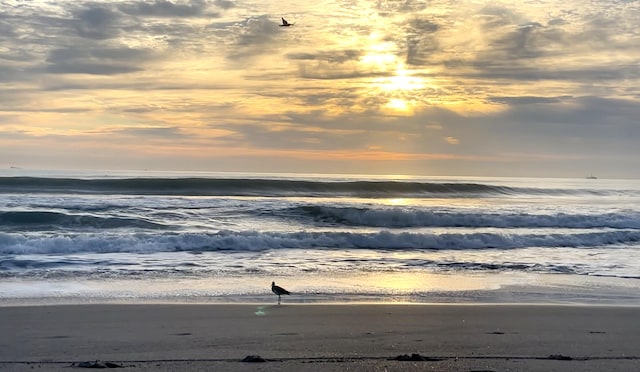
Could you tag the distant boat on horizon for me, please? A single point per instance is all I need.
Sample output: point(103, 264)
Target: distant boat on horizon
point(592, 177)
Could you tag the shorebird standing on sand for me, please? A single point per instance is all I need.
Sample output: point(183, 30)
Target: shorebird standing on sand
point(279, 291)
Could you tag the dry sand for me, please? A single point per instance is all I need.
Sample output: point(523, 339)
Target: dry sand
point(321, 337)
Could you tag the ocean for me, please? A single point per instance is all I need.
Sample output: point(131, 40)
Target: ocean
point(103, 237)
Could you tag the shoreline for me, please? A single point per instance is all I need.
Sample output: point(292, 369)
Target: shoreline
point(307, 337)
point(385, 288)
point(180, 302)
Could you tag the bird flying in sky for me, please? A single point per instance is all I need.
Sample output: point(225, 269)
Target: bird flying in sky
point(285, 23)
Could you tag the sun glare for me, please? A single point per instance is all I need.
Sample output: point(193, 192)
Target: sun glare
point(399, 88)
point(398, 201)
point(380, 60)
point(398, 104)
point(392, 79)
point(402, 80)
point(380, 54)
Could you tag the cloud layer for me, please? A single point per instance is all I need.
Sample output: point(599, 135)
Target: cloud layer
point(546, 88)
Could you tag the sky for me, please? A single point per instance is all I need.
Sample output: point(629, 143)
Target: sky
point(544, 88)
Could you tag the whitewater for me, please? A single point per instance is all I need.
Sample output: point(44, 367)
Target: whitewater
point(223, 237)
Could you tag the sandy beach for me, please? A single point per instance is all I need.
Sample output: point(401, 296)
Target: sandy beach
point(321, 337)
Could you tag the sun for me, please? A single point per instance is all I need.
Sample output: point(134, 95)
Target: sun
point(392, 79)
point(398, 104)
point(402, 80)
point(401, 88)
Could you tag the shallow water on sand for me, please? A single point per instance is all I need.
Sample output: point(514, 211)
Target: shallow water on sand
point(390, 288)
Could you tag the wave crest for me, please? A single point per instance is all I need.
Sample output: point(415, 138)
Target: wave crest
point(393, 217)
point(37, 220)
point(258, 241)
point(255, 187)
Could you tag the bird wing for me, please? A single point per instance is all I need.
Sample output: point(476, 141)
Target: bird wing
point(280, 290)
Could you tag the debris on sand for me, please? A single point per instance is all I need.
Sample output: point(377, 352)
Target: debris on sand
point(559, 357)
point(415, 358)
point(97, 364)
point(254, 359)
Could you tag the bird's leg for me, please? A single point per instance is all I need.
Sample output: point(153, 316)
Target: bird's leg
point(278, 299)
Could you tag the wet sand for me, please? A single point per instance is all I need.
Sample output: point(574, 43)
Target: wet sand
point(208, 337)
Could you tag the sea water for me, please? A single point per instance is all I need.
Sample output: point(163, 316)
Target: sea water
point(76, 237)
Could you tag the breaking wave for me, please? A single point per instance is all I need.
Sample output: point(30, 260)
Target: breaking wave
point(11, 244)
